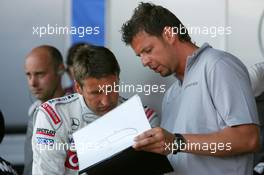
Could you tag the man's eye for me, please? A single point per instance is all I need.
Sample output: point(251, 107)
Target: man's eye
point(97, 92)
point(40, 75)
point(148, 50)
point(28, 75)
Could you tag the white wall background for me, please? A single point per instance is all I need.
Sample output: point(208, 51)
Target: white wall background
point(245, 18)
point(16, 40)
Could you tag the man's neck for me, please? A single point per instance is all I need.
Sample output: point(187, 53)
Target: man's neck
point(183, 51)
point(58, 93)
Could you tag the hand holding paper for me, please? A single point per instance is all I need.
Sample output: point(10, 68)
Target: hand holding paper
point(104, 146)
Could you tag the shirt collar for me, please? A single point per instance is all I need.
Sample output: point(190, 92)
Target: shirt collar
point(191, 59)
point(87, 114)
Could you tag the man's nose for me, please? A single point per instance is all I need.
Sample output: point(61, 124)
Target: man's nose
point(145, 60)
point(33, 81)
point(105, 100)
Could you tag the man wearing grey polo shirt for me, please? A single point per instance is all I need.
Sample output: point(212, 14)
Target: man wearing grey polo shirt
point(209, 119)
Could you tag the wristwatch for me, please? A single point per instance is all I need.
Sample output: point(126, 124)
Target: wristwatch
point(179, 143)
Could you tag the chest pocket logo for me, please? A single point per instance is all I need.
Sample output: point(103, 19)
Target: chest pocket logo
point(75, 123)
point(191, 84)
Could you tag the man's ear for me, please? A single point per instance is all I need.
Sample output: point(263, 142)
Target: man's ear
point(78, 87)
point(61, 69)
point(169, 35)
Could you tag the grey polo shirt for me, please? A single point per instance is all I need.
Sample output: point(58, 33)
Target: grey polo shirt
point(214, 94)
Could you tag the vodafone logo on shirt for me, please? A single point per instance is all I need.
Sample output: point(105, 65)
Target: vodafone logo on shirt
point(71, 160)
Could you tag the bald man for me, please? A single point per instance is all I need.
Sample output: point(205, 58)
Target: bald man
point(43, 68)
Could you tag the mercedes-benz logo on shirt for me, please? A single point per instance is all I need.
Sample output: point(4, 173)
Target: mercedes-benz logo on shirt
point(75, 123)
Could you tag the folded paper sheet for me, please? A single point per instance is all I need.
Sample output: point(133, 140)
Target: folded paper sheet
point(111, 133)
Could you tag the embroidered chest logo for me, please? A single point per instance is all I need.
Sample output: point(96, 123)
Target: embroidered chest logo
point(190, 84)
point(75, 123)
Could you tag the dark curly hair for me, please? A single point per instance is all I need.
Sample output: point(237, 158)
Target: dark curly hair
point(152, 19)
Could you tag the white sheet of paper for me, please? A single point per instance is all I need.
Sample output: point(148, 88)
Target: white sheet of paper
point(111, 133)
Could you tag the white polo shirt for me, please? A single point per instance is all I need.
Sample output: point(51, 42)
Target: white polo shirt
point(214, 94)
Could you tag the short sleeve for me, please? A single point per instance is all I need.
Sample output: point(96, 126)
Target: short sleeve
point(231, 92)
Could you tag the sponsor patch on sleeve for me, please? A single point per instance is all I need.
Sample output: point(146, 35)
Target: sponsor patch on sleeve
point(51, 113)
point(45, 132)
point(44, 141)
